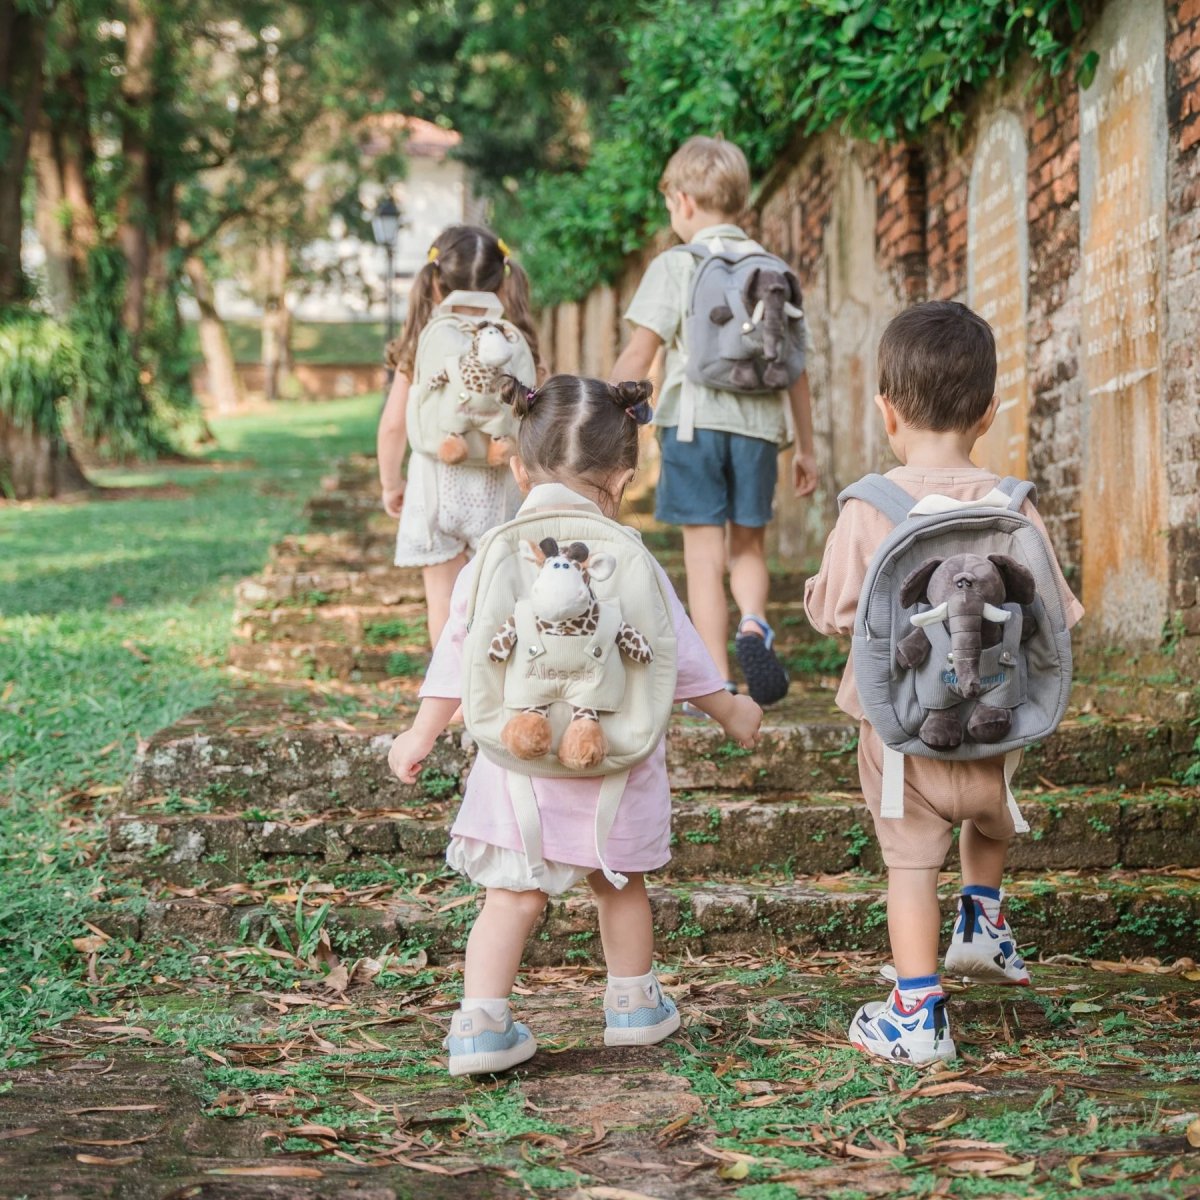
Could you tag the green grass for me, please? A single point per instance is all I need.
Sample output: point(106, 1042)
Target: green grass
point(313, 342)
point(114, 620)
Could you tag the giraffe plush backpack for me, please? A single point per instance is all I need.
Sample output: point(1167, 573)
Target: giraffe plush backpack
point(454, 409)
point(569, 664)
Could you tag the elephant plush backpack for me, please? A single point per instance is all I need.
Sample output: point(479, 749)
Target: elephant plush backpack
point(744, 326)
point(454, 409)
point(960, 648)
point(569, 665)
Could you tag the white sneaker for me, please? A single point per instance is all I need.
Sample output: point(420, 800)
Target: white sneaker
point(983, 951)
point(888, 1030)
point(481, 1045)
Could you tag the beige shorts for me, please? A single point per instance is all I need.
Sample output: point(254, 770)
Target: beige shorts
point(938, 795)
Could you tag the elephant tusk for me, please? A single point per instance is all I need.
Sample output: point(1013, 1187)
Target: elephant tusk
point(933, 617)
point(757, 314)
point(790, 310)
point(992, 613)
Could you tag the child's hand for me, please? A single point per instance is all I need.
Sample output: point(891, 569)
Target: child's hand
point(407, 754)
point(804, 474)
point(742, 721)
point(393, 500)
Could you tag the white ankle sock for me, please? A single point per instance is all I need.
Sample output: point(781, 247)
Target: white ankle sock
point(646, 982)
point(496, 1009)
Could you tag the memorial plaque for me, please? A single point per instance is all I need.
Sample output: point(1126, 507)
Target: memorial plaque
point(1122, 192)
point(998, 282)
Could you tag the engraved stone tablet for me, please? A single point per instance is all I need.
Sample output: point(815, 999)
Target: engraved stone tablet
point(998, 282)
point(1122, 191)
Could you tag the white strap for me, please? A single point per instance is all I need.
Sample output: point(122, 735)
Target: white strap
point(685, 431)
point(892, 802)
point(1012, 760)
point(529, 821)
point(936, 503)
point(612, 788)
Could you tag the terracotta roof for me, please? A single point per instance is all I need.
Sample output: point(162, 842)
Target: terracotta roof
point(423, 139)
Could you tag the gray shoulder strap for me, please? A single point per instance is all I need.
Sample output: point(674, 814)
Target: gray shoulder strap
point(697, 250)
point(880, 493)
point(1018, 491)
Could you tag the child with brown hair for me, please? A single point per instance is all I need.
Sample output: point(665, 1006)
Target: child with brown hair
point(577, 450)
point(445, 505)
point(720, 444)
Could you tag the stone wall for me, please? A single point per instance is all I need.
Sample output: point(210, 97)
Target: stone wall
point(1068, 216)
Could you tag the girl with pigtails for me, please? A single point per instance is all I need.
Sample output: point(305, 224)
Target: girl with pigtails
point(557, 696)
point(469, 323)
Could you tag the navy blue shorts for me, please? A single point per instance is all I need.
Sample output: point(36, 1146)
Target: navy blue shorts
point(718, 477)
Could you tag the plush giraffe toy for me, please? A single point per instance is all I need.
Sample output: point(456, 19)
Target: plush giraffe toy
point(566, 616)
point(481, 366)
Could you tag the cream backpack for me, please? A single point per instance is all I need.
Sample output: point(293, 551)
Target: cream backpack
point(569, 665)
point(454, 409)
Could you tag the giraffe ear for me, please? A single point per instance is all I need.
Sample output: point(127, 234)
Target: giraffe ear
point(532, 553)
point(601, 566)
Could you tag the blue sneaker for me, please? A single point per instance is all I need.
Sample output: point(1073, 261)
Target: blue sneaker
point(982, 950)
point(481, 1045)
point(635, 1016)
point(891, 1031)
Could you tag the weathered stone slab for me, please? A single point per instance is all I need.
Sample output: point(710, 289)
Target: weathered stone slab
point(1122, 189)
point(998, 281)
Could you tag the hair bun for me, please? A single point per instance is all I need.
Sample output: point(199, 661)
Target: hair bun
point(630, 392)
point(518, 396)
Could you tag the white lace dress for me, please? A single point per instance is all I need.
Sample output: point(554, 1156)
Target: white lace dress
point(448, 509)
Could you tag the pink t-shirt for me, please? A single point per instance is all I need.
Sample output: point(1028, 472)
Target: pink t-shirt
point(641, 834)
point(831, 596)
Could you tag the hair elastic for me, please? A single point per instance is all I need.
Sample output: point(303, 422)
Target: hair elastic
point(433, 254)
point(502, 245)
point(641, 412)
point(531, 394)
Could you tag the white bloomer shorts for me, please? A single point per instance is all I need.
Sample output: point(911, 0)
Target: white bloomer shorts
point(498, 867)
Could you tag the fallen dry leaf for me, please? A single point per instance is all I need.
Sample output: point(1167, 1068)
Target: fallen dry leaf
point(280, 1172)
point(9, 1134)
point(98, 1160)
point(78, 1112)
point(1192, 1133)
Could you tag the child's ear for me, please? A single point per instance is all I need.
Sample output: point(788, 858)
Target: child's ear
point(519, 474)
point(985, 422)
point(888, 412)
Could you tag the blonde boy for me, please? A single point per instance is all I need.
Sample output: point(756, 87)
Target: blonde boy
point(719, 449)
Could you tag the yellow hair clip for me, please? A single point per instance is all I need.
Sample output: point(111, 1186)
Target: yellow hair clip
point(433, 254)
point(504, 247)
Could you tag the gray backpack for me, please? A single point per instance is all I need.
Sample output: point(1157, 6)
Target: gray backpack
point(744, 327)
point(960, 648)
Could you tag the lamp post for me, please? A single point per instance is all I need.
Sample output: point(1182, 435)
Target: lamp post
point(385, 224)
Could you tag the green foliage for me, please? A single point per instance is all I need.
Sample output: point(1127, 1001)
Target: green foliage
point(758, 72)
point(39, 371)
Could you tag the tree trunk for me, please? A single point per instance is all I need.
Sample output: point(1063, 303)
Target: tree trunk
point(276, 322)
point(224, 385)
point(22, 50)
point(135, 206)
point(34, 466)
point(47, 217)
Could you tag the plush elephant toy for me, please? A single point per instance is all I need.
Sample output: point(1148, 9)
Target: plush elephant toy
point(965, 591)
point(770, 297)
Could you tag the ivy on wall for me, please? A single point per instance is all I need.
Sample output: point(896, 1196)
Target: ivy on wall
point(757, 72)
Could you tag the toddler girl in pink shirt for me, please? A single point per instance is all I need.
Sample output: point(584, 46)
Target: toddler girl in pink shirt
point(577, 447)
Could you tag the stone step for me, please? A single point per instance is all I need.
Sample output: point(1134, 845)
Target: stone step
point(1092, 916)
point(251, 759)
point(714, 834)
point(330, 660)
point(398, 626)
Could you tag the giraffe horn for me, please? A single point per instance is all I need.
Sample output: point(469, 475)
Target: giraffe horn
point(577, 552)
point(549, 547)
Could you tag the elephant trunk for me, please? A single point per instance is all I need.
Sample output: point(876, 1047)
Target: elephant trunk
point(966, 643)
point(772, 323)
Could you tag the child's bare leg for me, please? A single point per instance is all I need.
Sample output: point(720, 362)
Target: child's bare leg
point(704, 562)
point(748, 577)
point(982, 857)
point(497, 942)
point(914, 920)
point(636, 1013)
point(626, 930)
point(439, 583)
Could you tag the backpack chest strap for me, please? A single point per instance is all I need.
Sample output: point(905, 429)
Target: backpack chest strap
point(529, 640)
point(603, 641)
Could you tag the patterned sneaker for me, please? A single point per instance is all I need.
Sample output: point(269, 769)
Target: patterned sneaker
point(481, 1045)
point(631, 1018)
point(766, 678)
point(915, 1035)
point(983, 951)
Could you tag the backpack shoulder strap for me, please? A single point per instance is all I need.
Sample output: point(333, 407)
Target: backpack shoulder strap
point(1017, 491)
point(881, 494)
point(696, 250)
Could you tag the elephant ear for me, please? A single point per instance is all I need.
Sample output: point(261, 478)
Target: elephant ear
point(1019, 586)
point(793, 289)
point(750, 291)
point(916, 584)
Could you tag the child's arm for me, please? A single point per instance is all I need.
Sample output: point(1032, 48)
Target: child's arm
point(804, 463)
point(635, 361)
point(739, 716)
point(390, 443)
point(412, 747)
point(831, 596)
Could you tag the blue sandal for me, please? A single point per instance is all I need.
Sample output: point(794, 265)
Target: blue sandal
point(766, 678)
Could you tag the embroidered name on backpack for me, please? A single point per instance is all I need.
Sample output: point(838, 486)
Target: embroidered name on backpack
point(584, 674)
